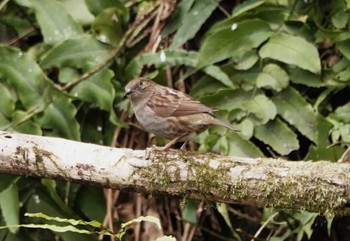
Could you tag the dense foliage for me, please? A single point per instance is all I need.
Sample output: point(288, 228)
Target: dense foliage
point(279, 70)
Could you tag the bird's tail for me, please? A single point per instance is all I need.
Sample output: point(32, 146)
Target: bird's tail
point(225, 124)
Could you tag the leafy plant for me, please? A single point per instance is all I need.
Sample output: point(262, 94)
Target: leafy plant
point(279, 70)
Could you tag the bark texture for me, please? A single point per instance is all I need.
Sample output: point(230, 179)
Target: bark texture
point(322, 186)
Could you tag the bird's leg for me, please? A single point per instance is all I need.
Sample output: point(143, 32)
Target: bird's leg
point(167, 146)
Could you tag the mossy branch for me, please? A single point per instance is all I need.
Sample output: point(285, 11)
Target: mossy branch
point(322, 187)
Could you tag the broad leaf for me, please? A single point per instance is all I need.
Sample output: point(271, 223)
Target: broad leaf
point(344, 48)
point(228, 42)
point(78, 10)
point(97, 89)
point(240, 147)
point(108, 26)
point(262, 108)
point(9, 205)
point(55, 23)
point(91, 203)
point(193, 20)
point(190, 211)
point(218, 74)
point(246, 6)
point(96, 7)
point(8, 100)
point(59, 119)
point(81, 52)
point(177, 18)
point(342, 113)
point(292, 50)
point(272, 77)
point(278, 135)
point(22, 124)
point(323, 150)
point(7, 181)
point(304, 77)
point(25, 76)
point(206, 85)
point(41, 202)
point(167, 58)
point(228, 99)
point(244, 60)
point(297, 112)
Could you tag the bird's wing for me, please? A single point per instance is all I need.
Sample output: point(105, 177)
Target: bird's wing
point(175, 104)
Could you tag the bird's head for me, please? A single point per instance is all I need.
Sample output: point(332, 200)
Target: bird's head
point(139, 86)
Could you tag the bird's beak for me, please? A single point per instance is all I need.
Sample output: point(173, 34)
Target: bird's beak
point(127, 93)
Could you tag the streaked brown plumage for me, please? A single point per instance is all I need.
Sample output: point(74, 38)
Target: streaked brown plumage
point(169, 113)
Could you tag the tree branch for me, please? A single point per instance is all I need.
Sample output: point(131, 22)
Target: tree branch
point(322, 186)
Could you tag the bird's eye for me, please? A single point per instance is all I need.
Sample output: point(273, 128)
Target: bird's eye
point(141, 83)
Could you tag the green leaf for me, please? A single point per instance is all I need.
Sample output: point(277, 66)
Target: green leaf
point(304, 77)
point(25, 76)
point(323, 150)
point(247, 128)
point(67, 74)
point(19, 24)
point(142, 219)
point(218, 74)
point(340, 19)
point(40, 201)
point(97, 89)
point(244, 60)
point(306, 221)
point(190, 211)
point(7, 181)
point(273, 77)
point(164, 58)
point(231, 144)
point(342, 113)
point(262, 108)
point(333, 35)
point(227, 42)
point(59, 119)
point(55, 23)
point(297, 112)
point(246, 79)
point(74, 222)
point(227, 99)
point(193, 20)
point(206, 85)
point(9, 205)
point(23, 124)
point(96, 7)
point(344, 75)
point(344, 48)
point(81, 52)
point(8, 100)
point(222, 209)
point(91, 203)
point(240, 147)
point(292, 50)
point(177, 18)
point(278, 135)
point(137, 220)
point(51, 188)
point(55, 228)
point(246, 6)
point(78, 10)
point(108, 26)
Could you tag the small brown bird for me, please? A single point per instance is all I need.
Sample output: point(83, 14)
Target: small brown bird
point(169, 113)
